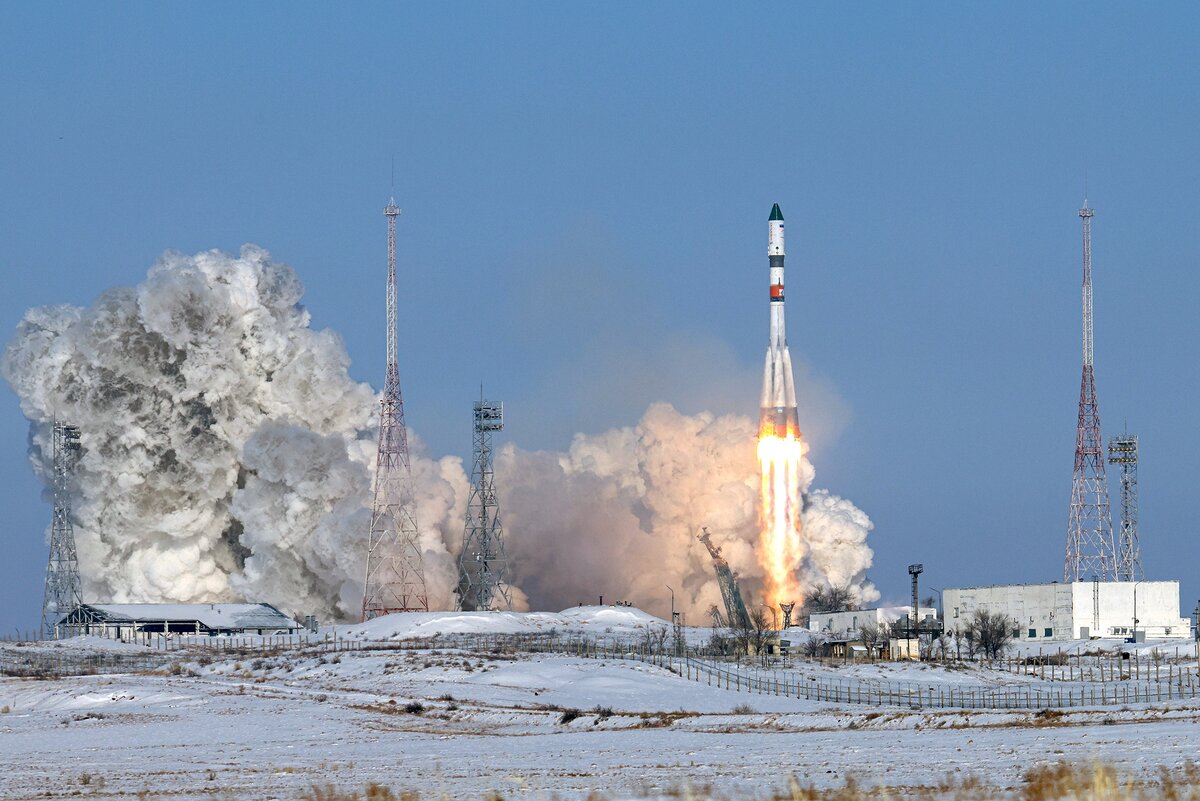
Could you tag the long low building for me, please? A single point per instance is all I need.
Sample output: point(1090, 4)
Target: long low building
point(1075, 610)
point(852, 622)
point(126, 621)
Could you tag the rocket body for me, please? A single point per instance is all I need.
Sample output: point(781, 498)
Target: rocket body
point(778, 407)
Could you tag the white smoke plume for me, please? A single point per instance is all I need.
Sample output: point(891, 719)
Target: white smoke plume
point(619, 513)
point(228, 455)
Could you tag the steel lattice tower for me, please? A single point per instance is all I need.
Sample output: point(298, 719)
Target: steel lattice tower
point(482, 565)
point(395, 580)
point(1123, 450)
point(1090, 550)
point(63, 591)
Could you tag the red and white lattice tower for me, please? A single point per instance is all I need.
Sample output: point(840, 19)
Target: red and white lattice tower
point(395, 580)
point(1091, 551)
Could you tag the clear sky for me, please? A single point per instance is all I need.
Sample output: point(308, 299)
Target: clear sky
point(585, 191)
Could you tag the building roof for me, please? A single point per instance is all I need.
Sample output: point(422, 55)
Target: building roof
point(210, 616)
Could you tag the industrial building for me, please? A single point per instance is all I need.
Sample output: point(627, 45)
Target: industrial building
point(1076, 609)
point(129, 621)
point(852, 622)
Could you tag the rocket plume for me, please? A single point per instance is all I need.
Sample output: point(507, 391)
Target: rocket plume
point(780, 447)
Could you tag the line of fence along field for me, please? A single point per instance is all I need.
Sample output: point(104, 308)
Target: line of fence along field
point(1051, 681)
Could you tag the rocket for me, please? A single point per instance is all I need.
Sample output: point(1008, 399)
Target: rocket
point(778, 408)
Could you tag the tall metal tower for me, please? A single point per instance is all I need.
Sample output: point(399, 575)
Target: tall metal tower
point(395, 580)
point(1123, 450)
point(63, 591)
point(1090, 550)
point(482, 565)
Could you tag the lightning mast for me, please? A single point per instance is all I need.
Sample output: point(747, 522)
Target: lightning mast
point(63, 591)
point(482, 564)
point(1090, 551)
point(1123, 450)
point(395, 579)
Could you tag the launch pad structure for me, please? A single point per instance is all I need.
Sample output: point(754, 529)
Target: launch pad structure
point(395, 575)
point(63, 588)
point(483, 581)
point(731, 595)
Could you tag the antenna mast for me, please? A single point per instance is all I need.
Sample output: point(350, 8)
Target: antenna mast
point(63, 591)
point(1090, 551)
point(482, 564)
point(395, 579)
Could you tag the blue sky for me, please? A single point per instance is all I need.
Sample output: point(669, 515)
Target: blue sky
point(585, 190)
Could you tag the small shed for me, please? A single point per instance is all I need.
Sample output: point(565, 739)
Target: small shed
point(126, 621)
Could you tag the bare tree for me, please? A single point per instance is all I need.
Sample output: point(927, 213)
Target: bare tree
point(830, 598)
point(813, 645)
point(988, 633)
point(875, 636)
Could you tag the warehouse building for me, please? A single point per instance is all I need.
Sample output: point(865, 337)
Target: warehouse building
point(1075, 610)
point(129, 621)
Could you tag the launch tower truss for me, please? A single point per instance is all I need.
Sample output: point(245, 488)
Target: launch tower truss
point(395, 576)
point(483, 583)
point(1123, 451)
point(63, 590)
point(1090, 551)
point(731, 594)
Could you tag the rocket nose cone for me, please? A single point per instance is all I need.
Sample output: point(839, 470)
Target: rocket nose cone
point(776, 214)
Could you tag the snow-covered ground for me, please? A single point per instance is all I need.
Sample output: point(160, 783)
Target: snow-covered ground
point(257, 726)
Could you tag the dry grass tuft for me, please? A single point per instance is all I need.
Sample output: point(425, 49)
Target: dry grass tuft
point(1058, 782)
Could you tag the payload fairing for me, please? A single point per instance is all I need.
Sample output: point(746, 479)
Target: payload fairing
point(778, 408)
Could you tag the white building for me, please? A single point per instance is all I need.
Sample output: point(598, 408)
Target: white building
point(850, 623)
point(1075, 610)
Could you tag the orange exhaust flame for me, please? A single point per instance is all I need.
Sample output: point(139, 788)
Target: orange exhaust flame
point(781, 549)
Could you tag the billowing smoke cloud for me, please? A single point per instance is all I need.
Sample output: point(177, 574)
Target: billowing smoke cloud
point(228, 455)
point(619, 513)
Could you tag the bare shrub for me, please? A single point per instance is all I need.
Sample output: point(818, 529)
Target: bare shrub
point(744, 709)
point(988, 633)
point(568, 715)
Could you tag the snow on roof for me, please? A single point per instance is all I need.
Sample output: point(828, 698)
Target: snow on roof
point(212, 616)
point(595, 620)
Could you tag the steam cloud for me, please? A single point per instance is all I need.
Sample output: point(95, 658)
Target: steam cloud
point(228, 455)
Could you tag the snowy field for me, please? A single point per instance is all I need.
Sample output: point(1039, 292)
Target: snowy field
point(461, 724)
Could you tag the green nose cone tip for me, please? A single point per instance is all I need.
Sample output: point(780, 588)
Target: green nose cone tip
point(776, 214)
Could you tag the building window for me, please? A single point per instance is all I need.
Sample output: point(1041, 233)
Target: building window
point(956, 611)
point(1049, 632)
point(1033, 634)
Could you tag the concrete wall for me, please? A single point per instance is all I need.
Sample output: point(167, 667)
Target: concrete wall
point(1043, 612)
